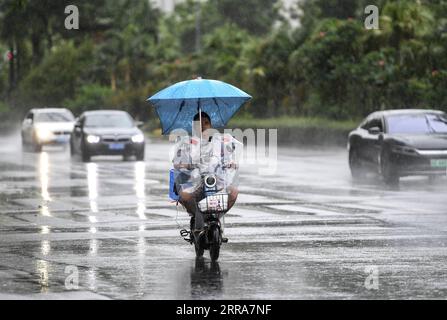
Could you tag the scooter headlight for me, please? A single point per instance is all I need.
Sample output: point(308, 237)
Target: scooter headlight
point(210, 181)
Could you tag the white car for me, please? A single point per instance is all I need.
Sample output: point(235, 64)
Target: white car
point(49, 126)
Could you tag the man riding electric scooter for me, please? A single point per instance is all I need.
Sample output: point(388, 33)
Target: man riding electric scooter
point(205, 175)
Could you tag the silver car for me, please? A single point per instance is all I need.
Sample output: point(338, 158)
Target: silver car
point(49, 126)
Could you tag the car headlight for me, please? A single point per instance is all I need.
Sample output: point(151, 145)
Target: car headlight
point(404, 150)
point(93, 139)
point(139, 138)
point(43, 134)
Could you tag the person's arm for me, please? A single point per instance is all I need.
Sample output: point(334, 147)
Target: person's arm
point(229, 145)
point(183, 166)
point(182, 157)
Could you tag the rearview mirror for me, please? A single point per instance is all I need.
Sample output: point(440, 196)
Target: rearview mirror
point(139, 124)
point(374, 130)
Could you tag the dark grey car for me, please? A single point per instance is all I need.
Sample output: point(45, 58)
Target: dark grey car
point(107, 132)
point(398, 143)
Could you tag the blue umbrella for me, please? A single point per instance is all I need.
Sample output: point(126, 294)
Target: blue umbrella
point(178, 104)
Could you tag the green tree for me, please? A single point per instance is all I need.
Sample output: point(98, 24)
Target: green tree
point(128, 45)
point(91, 96)
point(325, 62)
point(255, 16)
point(271, 75)
point(57, 77)
point(223, 54)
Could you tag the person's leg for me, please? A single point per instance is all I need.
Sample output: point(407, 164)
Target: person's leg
point(233, 192)
point(189, 201)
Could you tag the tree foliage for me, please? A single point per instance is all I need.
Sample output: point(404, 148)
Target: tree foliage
point(328, 66)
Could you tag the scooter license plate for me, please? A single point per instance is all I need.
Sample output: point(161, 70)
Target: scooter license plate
point(213, 203)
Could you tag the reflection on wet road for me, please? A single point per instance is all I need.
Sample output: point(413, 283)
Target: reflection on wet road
point(306, 232)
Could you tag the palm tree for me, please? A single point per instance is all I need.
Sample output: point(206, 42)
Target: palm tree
point(405, 20)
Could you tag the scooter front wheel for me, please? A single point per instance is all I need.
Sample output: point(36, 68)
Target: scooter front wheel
point(215, 238)
point(199, 249)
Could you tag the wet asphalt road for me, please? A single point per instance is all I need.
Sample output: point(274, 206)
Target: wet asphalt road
point(307, 232)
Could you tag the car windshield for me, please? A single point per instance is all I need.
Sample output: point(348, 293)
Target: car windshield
point(109, 121)
point(417, 124)
point(438, 122)
point(54, 117)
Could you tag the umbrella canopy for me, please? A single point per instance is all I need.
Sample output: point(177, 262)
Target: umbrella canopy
point(178, 104)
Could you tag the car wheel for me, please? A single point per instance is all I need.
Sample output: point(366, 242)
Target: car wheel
point(355, 164)
point(25, 146)
point(37, 148)
point(85, 155)
point(72, 150)
point(388, 169)
point(140, 155)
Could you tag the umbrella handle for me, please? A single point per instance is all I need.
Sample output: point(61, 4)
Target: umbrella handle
point(200, 119)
